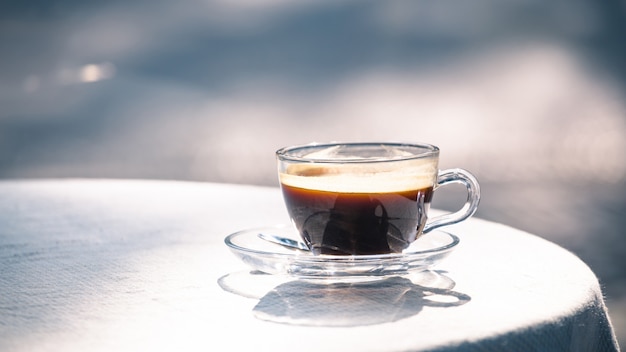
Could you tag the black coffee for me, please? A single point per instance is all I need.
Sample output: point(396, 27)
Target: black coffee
point(356, 223)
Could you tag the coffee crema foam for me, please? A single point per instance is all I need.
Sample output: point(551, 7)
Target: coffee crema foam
point(363, 178)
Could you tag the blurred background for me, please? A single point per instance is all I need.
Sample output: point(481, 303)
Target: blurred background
point(529, 95)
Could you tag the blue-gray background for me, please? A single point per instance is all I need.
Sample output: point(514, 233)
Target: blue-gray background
point(529, 95)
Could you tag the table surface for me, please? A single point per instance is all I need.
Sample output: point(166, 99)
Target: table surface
point(141, 265)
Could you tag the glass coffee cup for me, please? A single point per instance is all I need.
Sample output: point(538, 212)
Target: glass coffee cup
point(366, 198)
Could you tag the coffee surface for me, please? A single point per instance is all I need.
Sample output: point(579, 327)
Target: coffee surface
point(389, 177)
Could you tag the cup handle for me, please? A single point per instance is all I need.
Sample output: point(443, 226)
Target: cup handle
point(463, 177)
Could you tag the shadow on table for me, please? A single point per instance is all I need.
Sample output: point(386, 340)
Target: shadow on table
point(320, 303)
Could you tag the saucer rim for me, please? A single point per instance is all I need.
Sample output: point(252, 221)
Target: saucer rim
point(328, 258)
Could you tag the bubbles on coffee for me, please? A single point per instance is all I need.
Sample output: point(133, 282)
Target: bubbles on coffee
point(362, 177)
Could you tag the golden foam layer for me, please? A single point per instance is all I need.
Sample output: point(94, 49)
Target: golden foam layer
point(363, 178)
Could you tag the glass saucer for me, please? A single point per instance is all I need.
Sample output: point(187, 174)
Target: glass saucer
point(272, 258)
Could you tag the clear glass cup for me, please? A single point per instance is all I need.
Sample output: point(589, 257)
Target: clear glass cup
point(366, 198)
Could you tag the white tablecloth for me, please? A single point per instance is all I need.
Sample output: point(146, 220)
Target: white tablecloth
point(141, 265)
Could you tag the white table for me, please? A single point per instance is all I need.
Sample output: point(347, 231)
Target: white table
point(113, 265)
